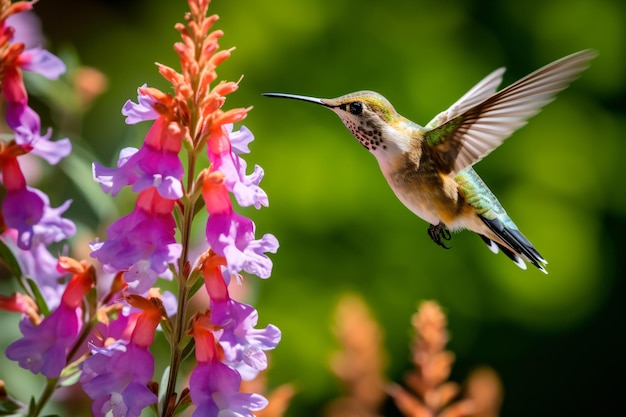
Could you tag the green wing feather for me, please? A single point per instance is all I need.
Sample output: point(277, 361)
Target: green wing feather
point(476, 124)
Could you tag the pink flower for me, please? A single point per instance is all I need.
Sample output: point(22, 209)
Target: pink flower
point(116, 376)
point(142, 243)
point(43, 348)
point(244, 187)
point(28, 210)
point(156, 164)
point(232, 236)
point(22, 119)
point(39, 264)
point(214, 386)
point(244, 346)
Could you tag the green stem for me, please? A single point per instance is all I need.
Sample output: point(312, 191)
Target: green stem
point(183, 295)
point(45, 396)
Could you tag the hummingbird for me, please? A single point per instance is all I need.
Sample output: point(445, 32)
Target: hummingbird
point(430, 168)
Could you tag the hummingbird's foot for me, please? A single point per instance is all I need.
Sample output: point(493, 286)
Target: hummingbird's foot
point(438, 232)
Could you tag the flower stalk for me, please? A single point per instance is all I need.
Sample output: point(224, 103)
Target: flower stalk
point(108, 337)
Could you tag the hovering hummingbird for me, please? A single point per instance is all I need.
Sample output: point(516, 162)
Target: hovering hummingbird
point(430, 168)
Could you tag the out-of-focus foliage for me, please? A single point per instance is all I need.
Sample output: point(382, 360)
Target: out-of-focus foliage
point(557, 340)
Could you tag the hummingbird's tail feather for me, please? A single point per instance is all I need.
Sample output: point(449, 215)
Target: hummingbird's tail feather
point(496, 247)
point(517, 246)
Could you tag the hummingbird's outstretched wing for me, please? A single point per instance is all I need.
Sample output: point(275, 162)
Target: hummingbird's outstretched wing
point(464, 135)
point(477, 94)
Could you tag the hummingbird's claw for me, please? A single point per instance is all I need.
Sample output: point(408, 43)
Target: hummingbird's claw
point(438, 232)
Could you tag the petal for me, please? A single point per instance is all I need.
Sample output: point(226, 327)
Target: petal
point(141, 111)
point(42, 62)
point(240, 139)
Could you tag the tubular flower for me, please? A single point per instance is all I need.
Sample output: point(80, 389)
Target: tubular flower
point(244, 187)
point(232, 235)
point(116, 376)
point(39, 264)
point(141, 243)
point(243, 345)
point(214, 386)
point(44, 348)
point(28, 210)
point(29, 220)
point(157, 163)
point(23, 120)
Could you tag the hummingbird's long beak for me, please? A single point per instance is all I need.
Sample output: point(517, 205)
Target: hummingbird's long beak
point(297, 97)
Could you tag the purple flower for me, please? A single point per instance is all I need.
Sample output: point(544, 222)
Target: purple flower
point(240, 139)
point(232, 236)
point(52, 227)
point(26, 126)
point(214, 389)
point(44, 348)
point(244, 187)
point(141, 243)
point(28, 211)
point(116, 378)
point(244, 346)
point(21, 210)
point(112, 180)
point(141, 111)
point(154, 165)
point(23, 120)
point(27, 29)
point(42, 62)
point(39, 264)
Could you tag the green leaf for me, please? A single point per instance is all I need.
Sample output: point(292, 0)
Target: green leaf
point(163, 385)
point(10, 261)
point(39, 299)
point(9, 406)
point(189, 346)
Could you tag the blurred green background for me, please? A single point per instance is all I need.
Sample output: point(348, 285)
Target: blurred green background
point(556, 340)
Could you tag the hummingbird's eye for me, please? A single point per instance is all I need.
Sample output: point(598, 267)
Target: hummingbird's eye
point(356, 108)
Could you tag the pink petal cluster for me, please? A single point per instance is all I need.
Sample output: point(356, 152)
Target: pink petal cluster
point(141, 243)
point(214, 386)
point(44, 346)
point(116, 376)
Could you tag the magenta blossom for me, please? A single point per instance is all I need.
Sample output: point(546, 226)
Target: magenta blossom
point(23, 120)
point(116, 376)
point(44, 347)
point(232, 236)
point(244, 187)
point(213, 385)
point(244, 346)
point(141, 111)
point(39, 264)
point(156, 164)
point(28, 210)
point(142, 243)
point(214, 389)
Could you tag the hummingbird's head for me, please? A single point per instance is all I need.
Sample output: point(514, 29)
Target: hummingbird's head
point(366, 114)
